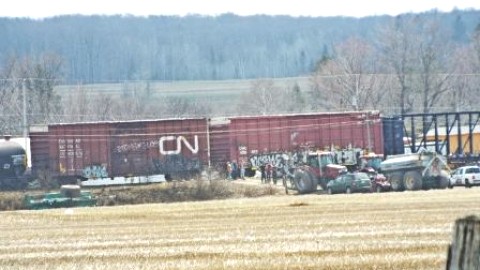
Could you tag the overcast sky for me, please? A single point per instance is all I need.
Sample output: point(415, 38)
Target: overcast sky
point(356, 8)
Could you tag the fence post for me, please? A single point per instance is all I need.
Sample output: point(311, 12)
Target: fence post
point(464, 251)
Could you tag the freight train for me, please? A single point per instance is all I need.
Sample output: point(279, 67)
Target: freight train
point(13, 164)
point(126, 152)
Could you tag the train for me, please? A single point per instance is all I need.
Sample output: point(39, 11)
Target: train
point(13, 164)
point(146, 151)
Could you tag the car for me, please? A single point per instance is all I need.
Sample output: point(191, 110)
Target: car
point(465, 176)
point(349, 183)
point(379, 181)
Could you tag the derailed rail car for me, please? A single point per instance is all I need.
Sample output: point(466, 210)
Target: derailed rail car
point(120, 152)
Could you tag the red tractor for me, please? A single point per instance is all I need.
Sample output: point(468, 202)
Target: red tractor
point(316, 168)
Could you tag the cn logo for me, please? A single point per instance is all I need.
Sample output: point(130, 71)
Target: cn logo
point(179, 140)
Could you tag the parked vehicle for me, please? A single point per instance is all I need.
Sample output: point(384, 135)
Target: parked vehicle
point(423, 170)
point(349, 183)
point(465, 176)
point(379, 181)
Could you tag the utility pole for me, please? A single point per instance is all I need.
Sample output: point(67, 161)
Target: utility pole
point(25, 125)
point(25, 122)
point(208, 150)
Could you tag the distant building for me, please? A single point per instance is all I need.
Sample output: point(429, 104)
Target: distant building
point(464, 135)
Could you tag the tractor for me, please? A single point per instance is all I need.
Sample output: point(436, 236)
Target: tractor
point(316, 168)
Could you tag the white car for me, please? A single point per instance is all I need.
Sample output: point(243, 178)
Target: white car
point(465, 176)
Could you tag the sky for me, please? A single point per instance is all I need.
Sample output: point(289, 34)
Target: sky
point(38, 9)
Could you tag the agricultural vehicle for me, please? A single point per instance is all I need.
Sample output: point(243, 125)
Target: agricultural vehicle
point(69, 196)
point(370, 164)
point(317, 168)
point(371, 160)
point(422, 170)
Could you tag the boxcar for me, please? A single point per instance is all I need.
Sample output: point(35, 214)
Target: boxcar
point(120, 151)
point(272, 137)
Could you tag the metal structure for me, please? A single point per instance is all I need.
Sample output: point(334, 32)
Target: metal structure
point(69, 196)
point(417, 126)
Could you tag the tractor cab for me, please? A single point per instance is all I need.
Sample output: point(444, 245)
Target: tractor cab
point(371, 160)
point(323, 164)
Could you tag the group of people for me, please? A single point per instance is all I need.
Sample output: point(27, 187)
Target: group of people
point(235, 170)
point(267, 173)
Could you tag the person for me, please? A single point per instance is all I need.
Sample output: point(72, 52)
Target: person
point(242, 170)
point(269, 170)
point(229, 170)
point(234, 173)
point(262, 172)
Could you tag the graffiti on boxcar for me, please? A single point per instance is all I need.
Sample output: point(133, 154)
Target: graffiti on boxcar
point(178, 149)
point(136, 146)
point(162, 144)
point(281, 161)
point(177, 164)
point(95, 171)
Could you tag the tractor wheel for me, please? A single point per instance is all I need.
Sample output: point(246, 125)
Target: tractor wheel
point(444, 180)
point(396, 180)
point(412, 180)
point(314, 183)
point(303, 182)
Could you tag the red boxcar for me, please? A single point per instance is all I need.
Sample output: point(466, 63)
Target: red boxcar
point(170, 147)
point(178, 148)
point(290, 133)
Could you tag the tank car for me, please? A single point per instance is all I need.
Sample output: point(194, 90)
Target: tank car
point(13, 164)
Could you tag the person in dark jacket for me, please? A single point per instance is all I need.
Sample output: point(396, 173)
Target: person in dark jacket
point(262, 173)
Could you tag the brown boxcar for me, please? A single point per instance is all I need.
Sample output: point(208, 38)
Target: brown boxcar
point(282, 134)
point(170, 147)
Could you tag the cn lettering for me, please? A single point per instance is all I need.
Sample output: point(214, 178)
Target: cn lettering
point(178, 149)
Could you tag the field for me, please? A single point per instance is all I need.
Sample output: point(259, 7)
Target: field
point(219, 94)
point(406, 230)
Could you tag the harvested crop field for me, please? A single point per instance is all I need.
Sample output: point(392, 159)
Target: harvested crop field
point(407, 230)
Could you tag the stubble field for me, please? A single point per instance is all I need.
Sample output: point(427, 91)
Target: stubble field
point(407, 230)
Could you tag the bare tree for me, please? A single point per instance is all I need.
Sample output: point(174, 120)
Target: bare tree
point(349, 79)
point(433, 52)
point(396, 45)
point(36, 78)
point(261, 99)
point(464, 94)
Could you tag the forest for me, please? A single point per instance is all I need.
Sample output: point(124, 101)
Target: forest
point(63, 69)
